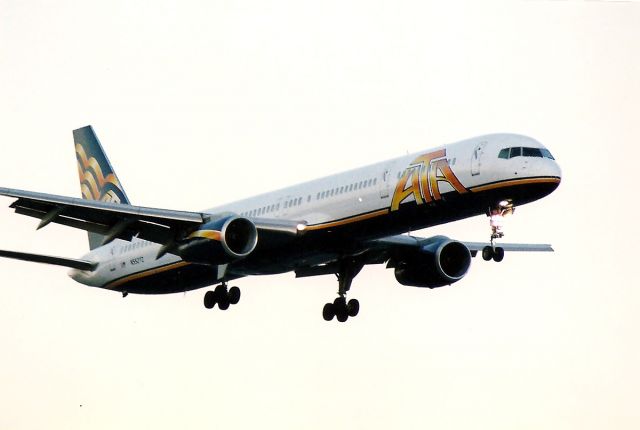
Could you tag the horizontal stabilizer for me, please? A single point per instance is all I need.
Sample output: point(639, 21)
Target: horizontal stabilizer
point(47, 259)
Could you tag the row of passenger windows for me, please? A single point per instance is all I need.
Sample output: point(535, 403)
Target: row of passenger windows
point(517, 151)
point(346, 188)
point(274, 207)
point(134, 245)
point(263, 210)
point(320, 196)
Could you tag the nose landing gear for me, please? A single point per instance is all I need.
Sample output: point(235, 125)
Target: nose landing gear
point(493, 252)
point(496, 220)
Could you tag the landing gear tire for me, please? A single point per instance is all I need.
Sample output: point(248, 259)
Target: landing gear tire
point(487, 253)
point(209, 299)
point(234, 295)
point(340, 308)
point(223, 297)
point(353, 307)
point(498, 254)
point(223, 304)
point(327, 312)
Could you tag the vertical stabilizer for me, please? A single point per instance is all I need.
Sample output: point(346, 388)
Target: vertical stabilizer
point(98, 180)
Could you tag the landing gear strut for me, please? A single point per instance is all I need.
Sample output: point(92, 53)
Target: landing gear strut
point(222, 296)
point(341, 308)
point(496, 217)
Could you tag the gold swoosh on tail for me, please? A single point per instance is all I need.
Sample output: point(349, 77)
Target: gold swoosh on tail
point(86, 177)
point(93, 163)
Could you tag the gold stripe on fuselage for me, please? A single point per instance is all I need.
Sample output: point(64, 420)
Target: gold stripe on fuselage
point(512, 182)
point(144, 274)
point(348, 220)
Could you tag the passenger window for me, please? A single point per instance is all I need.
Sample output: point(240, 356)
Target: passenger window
point(504, 153)
point(531, 152)
point(515, 152)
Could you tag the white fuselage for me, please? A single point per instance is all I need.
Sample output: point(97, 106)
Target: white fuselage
point(374, 190)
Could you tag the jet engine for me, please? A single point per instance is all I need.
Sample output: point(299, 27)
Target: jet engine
point(219, 241)
point(439, 261)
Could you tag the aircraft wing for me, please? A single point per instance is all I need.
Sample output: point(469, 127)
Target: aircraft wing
point(122, 221)
point(400, 242)
point(385, 250)
point(474, 247)
point(48, 259)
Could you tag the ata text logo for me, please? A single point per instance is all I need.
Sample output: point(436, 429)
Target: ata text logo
point(422, 180)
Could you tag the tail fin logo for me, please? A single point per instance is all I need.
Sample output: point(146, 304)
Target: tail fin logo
point(94, 183)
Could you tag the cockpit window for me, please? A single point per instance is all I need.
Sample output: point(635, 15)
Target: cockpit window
point(546, 153)
point(518, 151)
point(531, 152)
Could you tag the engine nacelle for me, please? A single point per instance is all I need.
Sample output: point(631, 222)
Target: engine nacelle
point(219, 241)
point(439, 262)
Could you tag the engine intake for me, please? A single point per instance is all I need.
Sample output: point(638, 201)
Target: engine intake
point(439, 262)
point(220, 241)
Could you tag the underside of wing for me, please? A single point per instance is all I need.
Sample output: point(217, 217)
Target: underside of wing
point(474, 247)
point(403, 250)
point(48, 259)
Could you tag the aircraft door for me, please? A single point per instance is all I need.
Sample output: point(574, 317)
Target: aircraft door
point(284, 206)
point(112, 261)
point(384, 184)
point(476, 158)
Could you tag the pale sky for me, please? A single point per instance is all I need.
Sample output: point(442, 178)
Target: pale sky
point(202, 103)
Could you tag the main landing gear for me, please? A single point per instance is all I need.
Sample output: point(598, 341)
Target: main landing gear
point(222, 296)
point(341, 308)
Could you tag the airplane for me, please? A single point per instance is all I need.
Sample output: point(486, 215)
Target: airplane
point(330, 226)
